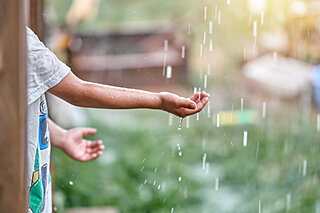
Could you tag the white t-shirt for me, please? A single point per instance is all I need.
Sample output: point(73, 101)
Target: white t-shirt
point(45, 70)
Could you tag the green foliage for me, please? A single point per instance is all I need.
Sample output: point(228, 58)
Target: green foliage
point(141, 146)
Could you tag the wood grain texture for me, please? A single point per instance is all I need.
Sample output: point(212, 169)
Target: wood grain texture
point(13, 107)
point(35, 18)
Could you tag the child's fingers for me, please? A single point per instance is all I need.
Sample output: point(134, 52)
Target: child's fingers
point(95, 149)
point(87, 131)
point(91, 144)
point(195, 97)
point(187, 103)
point(95, 155)
point(204, 95)
point(200, 105)
point(91, 156)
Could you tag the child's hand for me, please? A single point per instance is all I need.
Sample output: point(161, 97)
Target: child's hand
point(80, 149)
point(183, 107)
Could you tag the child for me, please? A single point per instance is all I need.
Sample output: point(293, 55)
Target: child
point(47, 73)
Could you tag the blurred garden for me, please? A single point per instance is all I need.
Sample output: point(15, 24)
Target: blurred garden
point(254, 148)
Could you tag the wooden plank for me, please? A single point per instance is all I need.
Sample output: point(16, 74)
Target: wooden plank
point(13, 107)
point(35, 17)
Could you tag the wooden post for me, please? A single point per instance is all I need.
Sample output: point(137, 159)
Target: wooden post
point(13, 107)
point(35, 18)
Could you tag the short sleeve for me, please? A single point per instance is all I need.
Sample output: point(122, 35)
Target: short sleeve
point(45, 70)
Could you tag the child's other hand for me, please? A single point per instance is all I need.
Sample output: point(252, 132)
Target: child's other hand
point(80, 149)
point(183, 107)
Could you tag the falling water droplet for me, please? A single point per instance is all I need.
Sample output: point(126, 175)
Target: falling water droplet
point(195, 90)
point(169, 72)
point(257, 150)
point(255, 32)
point(288, 201)
point(164, 65)
point(188, 123)
point(219, 17)
point(262, 17)
point(259, 206)
point(204, 161)
point(245, 138)
point(165, 45)
point(205, 13)
point(264, 108)
point(180, 124)
point(210, 27)
point(70, 183)
point(218, 120)
point(241, 107)
point(304, 168)
point(183, 49)
point(215, 11)
point(217, 184)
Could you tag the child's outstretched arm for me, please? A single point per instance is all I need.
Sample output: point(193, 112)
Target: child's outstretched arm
point(72, 142)
point(86, 94)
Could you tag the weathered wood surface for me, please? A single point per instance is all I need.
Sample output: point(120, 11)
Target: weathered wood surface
point(35, 18)
point(13, 107)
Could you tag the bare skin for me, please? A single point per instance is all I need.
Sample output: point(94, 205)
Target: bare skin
point(72, 142)
point(86, 94)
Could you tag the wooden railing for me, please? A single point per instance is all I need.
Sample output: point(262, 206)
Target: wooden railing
point(13, 107)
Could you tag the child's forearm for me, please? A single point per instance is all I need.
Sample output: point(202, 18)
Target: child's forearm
point(86, 94)
point(57, 134)
point(105, 96)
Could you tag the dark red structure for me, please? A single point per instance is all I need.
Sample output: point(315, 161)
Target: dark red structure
point(131, 59)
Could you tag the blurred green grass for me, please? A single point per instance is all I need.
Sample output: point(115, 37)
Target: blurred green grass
point(141, 141)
